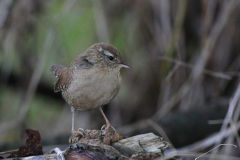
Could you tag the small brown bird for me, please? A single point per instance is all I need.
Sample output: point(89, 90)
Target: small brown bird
point(92, 80)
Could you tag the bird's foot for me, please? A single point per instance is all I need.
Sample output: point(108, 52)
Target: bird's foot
point(60, 154)
point(110, 134)
point(103, 127)
point(107, 128)
point(76, 135)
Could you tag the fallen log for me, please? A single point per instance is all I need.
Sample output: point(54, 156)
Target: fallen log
point(106, 145)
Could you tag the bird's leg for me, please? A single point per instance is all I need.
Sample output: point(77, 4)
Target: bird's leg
point(73, 115)
point(108, 132)
point(107, 122)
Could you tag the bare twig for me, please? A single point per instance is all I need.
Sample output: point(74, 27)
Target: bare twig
point(36, 74)
point(193, 155)
point(216, 121)
point(232, 122)
point(142, 124)
point(206, 71)
point(67, 6)
point(4, 9)
point(195, 76)
point(100, 21)
point(209, 9)
point(180, 17)
point(229, 115)
point(9, 49)
point(32, 86)
point(235, 119)
point(8, 152)
point(209, 141)
point(162, 29)
point(215, 148)
point(172, 72)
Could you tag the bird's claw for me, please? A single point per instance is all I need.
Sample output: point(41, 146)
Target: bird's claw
point(78, 133)
point(60, 154)
point(80, 130)
point(103, 127)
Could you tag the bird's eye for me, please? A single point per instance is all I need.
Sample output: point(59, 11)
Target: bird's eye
point(110, 58)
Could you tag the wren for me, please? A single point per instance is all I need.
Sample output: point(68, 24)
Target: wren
point(92, 80)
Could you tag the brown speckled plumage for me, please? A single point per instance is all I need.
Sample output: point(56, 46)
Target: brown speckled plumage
point(93, 78)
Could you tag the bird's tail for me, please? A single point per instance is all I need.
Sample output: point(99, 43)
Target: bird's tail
point(57, 70)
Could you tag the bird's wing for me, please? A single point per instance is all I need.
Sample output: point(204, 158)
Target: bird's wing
point(81, 62)
point(65, 74)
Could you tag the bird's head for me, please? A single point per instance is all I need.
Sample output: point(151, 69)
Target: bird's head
point(106, 56)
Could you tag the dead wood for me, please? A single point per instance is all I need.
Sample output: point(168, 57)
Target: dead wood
point(107, 144)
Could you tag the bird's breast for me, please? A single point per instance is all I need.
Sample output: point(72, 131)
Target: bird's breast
point(92, 88)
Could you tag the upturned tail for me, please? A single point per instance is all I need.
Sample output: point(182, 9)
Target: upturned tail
point(63, 81)
point(57, 70)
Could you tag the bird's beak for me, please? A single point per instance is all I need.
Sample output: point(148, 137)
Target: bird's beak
point(124, 65)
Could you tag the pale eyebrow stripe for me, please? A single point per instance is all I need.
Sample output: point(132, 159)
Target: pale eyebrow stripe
point(105, 52)
point(108, 53)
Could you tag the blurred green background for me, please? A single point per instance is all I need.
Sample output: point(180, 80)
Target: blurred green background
point(184, 56)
